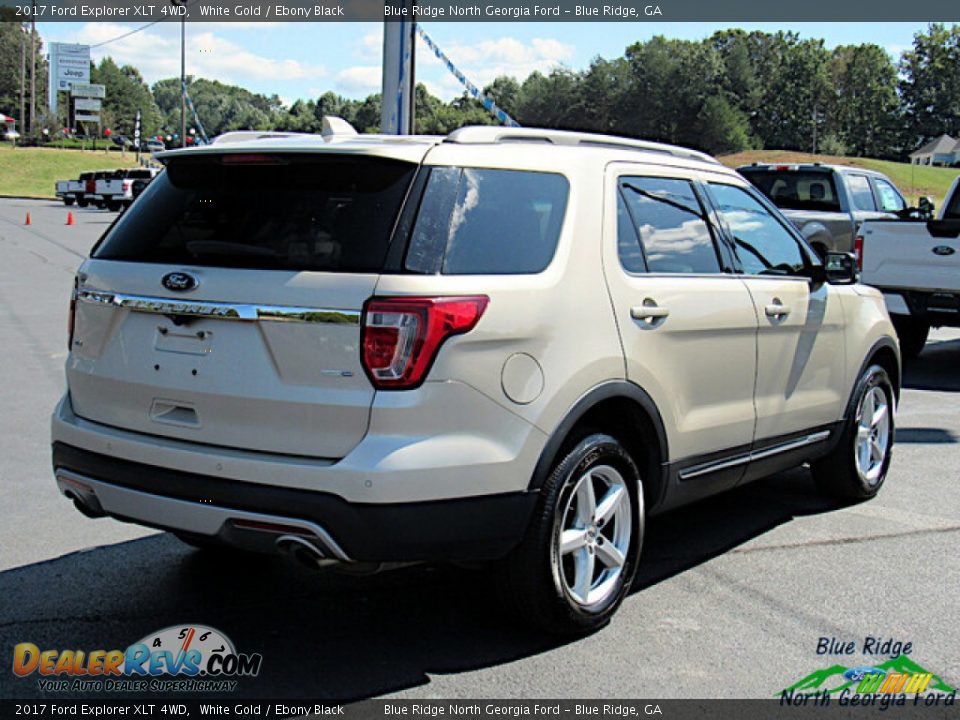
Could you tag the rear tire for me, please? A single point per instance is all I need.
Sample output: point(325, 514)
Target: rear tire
point(83, 203)
point(68, 201)
point(579, 556)
point(912, 334)
point(857, 466)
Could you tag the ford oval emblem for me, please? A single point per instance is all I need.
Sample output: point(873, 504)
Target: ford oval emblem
point(943, 250)
point(179, 281)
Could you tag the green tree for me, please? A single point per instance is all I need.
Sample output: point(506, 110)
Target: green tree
point(930, 84)
point(12, 34)
point(866, 112)
point(126, 93)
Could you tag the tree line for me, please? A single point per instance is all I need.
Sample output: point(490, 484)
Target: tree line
point(733, 91)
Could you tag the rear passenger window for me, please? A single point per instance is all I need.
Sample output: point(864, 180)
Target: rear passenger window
point(860, 193)
point(669, 228)
point(475, 221)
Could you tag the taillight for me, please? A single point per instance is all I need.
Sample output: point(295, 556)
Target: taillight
point(71, 319)
point(91, 186)
point(858, 251)
point(127, 184)
point(401, 335)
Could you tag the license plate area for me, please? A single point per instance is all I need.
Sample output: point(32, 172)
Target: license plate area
point(184, 340)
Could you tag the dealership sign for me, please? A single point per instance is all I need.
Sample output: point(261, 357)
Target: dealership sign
point(88, 91)
point(70, 64)
point(82, 103)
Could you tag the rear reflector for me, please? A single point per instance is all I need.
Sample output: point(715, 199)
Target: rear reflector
point(402, 335)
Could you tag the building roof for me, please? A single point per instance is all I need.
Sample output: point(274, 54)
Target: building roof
point(943, 144)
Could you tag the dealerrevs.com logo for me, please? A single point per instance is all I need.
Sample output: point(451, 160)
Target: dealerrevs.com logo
point(189, 658)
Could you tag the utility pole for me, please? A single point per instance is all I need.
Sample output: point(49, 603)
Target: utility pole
point(183, 81)
point(33, 68)
point(23, 79)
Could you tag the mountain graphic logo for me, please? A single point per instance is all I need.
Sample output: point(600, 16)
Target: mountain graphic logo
point(837, 678)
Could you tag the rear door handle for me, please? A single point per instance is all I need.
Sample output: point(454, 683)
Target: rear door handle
point(649, 312)
point(776, 309)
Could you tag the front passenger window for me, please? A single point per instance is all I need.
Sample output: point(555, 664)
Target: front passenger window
point(763, 245)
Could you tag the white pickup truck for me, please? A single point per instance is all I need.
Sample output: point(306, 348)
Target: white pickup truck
point(75, 191)
point(120, 188)
point(916, 265)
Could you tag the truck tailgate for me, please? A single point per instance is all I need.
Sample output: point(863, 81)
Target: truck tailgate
point(912, 255)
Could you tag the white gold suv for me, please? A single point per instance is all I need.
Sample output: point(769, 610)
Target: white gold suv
point(502, 344)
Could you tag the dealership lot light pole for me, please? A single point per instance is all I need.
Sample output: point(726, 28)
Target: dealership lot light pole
point(183, 72)
point(33, 66)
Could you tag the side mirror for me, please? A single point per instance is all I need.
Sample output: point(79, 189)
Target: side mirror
point(841, 268)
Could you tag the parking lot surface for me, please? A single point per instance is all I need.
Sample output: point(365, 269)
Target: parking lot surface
point(732, 598)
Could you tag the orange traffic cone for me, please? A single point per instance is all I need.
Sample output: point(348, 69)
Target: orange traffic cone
point(70, 219)
point(28, 221)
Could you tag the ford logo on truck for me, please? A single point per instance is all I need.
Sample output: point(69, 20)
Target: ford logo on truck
point(943, 250)
point(179, 281)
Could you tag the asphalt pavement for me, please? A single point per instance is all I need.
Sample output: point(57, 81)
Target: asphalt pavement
point(732, 599)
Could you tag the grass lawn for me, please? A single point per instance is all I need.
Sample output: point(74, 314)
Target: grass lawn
point(32, 172)
point(913, 180)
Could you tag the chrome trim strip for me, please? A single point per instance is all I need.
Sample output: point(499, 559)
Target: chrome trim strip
point(184, 515)
point(711, 467)
point(220, 310)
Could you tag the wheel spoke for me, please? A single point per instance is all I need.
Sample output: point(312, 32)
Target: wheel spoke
point(866, 411)
point(610, 502)
point(609, 555)
point(572, 539)
point(586, 500)
point(865, 453)
point(879, 416)
point(584, 574)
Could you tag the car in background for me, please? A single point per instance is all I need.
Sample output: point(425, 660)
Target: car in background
point(119, 189)
point(153, 146)
point(916, 265)
point(827, 203)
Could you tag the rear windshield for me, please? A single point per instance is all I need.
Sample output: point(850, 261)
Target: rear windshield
point(138, 174)
point(796, 189)
point(331, 214)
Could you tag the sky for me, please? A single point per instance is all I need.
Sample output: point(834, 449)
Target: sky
point(304, 60)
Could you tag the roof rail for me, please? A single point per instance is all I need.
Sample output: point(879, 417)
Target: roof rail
point(485, 134)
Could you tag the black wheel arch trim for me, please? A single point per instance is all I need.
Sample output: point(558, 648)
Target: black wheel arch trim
point(609, 390)
point(869, 359)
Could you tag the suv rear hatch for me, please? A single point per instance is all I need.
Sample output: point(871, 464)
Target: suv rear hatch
point(224, 307)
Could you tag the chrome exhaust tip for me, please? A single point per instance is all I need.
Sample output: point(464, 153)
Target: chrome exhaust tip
point(304, 552)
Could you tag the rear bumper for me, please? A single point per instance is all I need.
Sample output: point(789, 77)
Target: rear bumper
point(938, 309)
point(481, 527)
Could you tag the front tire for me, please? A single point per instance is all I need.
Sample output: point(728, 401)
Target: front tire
point(68, 201)
point(579, 556)
point(856, 468)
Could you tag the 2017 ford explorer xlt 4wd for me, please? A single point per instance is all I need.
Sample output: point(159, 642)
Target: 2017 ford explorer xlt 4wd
point(503, 344)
